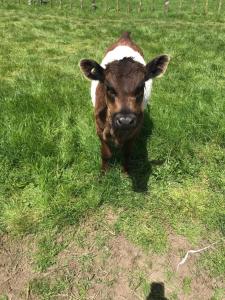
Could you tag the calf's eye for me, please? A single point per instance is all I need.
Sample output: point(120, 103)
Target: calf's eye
point(139, 93)
point(111, 92)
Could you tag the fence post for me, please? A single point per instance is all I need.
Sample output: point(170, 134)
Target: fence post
point(180, 6)
point(81, 4)
point(206, 6)
point(166, 6)
point(93, 5)
point(117, 6)
point(128, 6)
point(140, 6)
point(219, 7)
point(193, 6)
point(153, 5)
point(106, 5)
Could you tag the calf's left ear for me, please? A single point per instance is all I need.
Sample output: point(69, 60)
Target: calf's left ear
point(157, 67)
point(92, 70)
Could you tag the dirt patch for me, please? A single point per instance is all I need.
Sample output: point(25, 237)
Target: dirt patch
point(131, 266)
point(99, 264)
point(201, 285)
point(15, 267)
point(117, 269)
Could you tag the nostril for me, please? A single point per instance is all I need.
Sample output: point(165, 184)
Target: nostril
point(130, 120)
point(121, 121)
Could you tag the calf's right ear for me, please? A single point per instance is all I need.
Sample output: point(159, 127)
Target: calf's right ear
point(92, 70)
point(157, 67)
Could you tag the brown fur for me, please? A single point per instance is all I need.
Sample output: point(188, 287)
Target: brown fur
point(124, 76)
point(120, 92)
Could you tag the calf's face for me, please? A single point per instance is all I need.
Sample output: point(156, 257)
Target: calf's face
point(124, 83)
point(124, 89)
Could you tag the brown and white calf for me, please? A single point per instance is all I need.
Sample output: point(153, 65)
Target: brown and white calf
point(120, 89)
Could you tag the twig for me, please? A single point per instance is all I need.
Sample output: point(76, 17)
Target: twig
point(196, 251)
point(28, 292)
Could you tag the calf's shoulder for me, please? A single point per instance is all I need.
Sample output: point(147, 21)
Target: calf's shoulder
point(100, 109)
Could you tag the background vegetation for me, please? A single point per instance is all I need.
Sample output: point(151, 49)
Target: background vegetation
point(49, 153)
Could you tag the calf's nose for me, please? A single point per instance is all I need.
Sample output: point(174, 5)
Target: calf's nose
point(128, 120)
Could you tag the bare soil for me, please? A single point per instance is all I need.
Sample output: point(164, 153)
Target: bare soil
point(15, 267)
point(105, 266)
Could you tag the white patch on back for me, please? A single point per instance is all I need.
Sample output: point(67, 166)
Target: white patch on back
point(117, 54)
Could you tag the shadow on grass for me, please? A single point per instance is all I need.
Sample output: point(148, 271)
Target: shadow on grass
point(141, 167)
point(157, 291)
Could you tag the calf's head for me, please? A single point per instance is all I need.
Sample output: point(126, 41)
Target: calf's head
point(124, 83)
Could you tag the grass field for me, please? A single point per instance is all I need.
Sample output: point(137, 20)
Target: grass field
point(66, 232)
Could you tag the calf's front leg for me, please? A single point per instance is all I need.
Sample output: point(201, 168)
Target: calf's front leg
point(106, 154)
point(126, 151)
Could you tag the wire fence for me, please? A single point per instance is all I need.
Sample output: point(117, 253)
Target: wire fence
point(138, 6)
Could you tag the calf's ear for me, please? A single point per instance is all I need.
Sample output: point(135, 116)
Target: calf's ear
point(157, 67)
point(92, 70)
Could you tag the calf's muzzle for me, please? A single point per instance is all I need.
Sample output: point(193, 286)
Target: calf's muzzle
point(125, 120)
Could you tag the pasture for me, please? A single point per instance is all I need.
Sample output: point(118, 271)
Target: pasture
point(66, 231)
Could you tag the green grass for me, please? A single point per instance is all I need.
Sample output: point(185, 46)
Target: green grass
point(49, 152)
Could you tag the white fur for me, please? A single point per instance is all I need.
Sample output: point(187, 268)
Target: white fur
point(117, 54)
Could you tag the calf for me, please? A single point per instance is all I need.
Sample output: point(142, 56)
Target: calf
point(120, 89)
